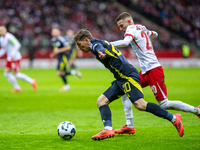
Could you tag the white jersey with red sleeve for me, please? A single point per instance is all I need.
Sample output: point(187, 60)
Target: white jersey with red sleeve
point(142, 47)
point(11, 46)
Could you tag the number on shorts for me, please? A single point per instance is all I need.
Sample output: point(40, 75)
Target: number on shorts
point(126, 86)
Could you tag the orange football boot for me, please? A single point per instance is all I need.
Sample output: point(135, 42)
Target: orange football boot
point(179, 125)
point(125, 130)
point(16, 90)
point(104, 134)
point(34, 85)
point(199, 108)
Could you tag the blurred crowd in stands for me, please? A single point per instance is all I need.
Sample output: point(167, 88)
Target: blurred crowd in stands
point(179, 16)
point(31, 21)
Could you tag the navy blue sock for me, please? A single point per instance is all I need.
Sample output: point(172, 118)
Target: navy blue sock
point(158, 111)
point(67, 73)
point(105, 115)
point(64, 79)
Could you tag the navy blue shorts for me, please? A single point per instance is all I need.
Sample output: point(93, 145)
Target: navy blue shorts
point(62, 63)
point(131, 87)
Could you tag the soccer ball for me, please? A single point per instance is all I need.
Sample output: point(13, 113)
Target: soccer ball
point(66, 130)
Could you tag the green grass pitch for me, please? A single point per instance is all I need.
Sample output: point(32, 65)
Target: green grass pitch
point(28, 120)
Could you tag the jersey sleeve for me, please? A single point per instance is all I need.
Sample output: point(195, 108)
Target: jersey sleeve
point(16, 45)
point(65, 42)
point(122, 43)
point(98, 47)
point(153, 35)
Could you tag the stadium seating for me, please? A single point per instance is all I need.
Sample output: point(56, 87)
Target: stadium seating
point(31, 22)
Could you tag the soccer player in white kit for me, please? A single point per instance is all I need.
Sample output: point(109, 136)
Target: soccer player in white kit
point(10, 45)
point(151, 73)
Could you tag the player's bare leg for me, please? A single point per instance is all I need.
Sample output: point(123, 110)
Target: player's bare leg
point(11, 78)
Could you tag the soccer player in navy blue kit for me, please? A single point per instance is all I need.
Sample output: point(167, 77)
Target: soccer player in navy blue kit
point(127, 82)
point(71, 55)
point(60, 47)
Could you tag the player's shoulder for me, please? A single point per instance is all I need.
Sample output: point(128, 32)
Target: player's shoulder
point(140, 27)
point(61, 38)
point(9, 35)
point(131, 27)
point(94, 43)
point(68, 38)
point(53, 39)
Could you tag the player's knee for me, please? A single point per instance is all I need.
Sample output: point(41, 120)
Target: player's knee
point(102, 100)
point(60, 73)
point(140, 104)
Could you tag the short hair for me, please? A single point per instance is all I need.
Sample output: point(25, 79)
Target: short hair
point(123, 16)
point(55, 28)
point(83, 34)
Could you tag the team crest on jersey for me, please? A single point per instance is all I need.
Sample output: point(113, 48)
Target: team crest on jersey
point(154, 89)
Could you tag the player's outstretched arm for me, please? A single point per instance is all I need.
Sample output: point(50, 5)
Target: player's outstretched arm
point(63, 49)
point(153, 35)
point(122, 43)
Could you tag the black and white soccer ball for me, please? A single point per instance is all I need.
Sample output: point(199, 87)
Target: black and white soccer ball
point(66, 130)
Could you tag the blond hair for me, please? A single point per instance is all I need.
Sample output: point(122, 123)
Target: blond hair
point(83, 34)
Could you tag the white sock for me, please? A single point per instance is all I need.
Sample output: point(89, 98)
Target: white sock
point(129, 122)
point(173, 119)
point(178, 105)
point(11, 78)
point(108, 128)
point(73, 72)
point(66, 85)
point(24, 77)
point(127, 104)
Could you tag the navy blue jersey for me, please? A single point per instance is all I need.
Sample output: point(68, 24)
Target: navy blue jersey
point(59, 43)
point(73, 47)
point(114, 61)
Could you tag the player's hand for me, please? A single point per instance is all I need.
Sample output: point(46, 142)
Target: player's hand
point(101, 55)
point(51, 55)
point(55, 51)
